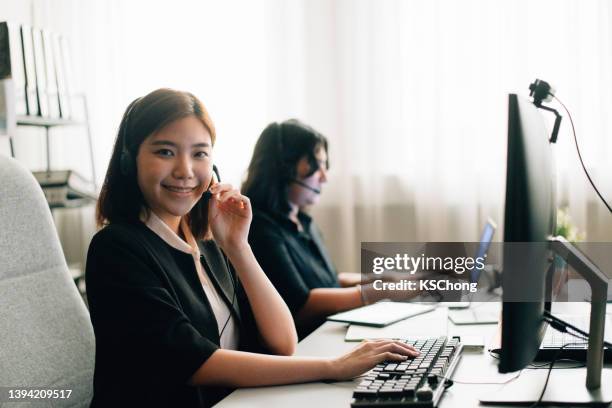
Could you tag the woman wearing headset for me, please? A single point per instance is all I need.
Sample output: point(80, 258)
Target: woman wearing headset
point(286, 174)
point(181, 309)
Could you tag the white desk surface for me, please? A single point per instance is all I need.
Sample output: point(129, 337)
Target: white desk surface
point(328, 341)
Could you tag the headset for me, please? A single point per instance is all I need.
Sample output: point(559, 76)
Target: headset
point(282, 170)
point(126, 161)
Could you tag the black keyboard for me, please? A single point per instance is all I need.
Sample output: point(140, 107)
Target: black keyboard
point(416, 382)
point(576, 349)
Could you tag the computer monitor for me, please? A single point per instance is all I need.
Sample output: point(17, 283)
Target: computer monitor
point(527, 271)
point(529, 218)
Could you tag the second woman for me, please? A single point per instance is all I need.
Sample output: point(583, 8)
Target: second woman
point(286, 174)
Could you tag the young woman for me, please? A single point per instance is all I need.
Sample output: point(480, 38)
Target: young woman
point(286, 174)
point(181, 309)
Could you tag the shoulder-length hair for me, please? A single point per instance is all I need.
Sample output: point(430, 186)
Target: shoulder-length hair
point(120, 197)
point(274, 163)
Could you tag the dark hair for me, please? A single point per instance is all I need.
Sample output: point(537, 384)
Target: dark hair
point(120, 198)
point(274, 163)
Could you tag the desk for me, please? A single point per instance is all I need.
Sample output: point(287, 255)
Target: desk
point(328, 341)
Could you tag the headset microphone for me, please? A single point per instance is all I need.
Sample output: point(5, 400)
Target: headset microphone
point(306, 186)
point(207, 194)
point(282, 170)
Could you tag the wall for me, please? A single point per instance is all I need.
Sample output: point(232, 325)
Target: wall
point(68, 145)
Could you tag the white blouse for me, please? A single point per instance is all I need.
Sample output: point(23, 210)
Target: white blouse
point(229, 339)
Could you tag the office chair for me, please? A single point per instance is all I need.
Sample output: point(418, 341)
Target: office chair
point(46, 337)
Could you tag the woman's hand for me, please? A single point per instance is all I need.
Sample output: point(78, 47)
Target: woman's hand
point(369, 353)
point(229, 217)
point(348, 279)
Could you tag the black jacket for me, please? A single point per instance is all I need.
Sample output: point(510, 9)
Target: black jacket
point(295, 261)
point(154, 325)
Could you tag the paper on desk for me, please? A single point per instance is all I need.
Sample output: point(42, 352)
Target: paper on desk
point(430, 324)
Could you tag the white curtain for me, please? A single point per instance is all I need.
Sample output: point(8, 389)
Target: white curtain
point(411, 94)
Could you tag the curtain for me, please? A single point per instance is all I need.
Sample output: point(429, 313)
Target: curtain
point(412, 95)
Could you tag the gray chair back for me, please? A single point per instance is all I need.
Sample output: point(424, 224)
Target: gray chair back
point(46, 337)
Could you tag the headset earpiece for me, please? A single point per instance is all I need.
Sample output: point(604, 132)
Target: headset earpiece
point(284, 171)
point(126, 161)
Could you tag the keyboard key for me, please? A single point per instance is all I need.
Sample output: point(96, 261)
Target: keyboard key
point(409, 390)
point(390, 367)
point(365, 393)
point(390, 392)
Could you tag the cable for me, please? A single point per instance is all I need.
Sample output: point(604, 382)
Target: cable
point(492, 354)
point(543, 365)
point(233, 297)
point(580, 156)
point(557, 368)
point(552, 363)
point(563, 327)
point(446, 379)
point(227, 264)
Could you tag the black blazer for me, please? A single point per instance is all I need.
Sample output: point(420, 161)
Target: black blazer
point(154, 325)
point(295, 261)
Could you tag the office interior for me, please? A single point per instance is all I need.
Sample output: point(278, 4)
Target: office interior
point(412, 96)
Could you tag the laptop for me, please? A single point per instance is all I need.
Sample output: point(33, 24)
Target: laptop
point(485, 242)
point(463, 313)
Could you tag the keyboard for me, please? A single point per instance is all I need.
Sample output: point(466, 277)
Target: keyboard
point(417, 382)
point(554, 340)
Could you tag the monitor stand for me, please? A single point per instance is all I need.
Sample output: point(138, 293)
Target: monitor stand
point(564, 388)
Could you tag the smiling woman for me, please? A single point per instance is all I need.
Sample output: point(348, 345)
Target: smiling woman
point(180, 307)
point(179, 168)
point(167, 116)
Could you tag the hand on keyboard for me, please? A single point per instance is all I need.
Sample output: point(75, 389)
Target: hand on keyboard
point(368, 354)
point(418, 382)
